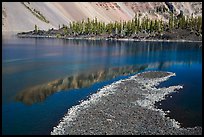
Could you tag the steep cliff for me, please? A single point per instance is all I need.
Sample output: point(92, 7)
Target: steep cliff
point(22, 16)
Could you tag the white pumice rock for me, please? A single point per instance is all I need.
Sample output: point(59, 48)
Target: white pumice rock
point(149, 96)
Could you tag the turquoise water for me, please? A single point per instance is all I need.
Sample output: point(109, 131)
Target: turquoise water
point(30, 106)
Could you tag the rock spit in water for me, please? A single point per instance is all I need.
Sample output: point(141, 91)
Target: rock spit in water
point(125, 108)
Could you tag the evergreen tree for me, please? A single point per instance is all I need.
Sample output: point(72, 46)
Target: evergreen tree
point(65, 29)
point(151, 26)
point(36, 28)
point(128, 28)
point(156, 25)
point(199, 24)
point(171, 25)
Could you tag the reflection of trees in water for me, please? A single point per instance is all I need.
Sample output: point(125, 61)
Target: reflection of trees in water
point(40, 92)
point(151, 53)
point(148, 51)
point(135, 47)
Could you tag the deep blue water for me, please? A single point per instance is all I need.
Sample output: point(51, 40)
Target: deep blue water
point(29, 62)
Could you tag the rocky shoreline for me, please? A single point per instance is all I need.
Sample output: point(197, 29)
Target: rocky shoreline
point(176, 35)
point(114, 39)
point(125, 107)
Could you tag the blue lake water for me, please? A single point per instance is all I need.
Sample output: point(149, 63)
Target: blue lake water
point(30, 65)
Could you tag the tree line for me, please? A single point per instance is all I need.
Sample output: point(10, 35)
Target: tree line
point(131, 27)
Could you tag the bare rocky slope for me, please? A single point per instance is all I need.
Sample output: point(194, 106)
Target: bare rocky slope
point(22, 16)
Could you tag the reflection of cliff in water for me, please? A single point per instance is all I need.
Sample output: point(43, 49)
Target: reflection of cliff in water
point(40, 92)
